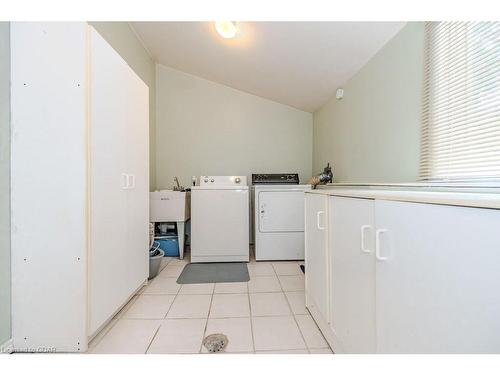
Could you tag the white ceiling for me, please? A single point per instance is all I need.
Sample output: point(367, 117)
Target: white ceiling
point(300, 64)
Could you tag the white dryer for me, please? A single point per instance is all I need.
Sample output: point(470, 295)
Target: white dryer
point(279, 221)
point(219, 219)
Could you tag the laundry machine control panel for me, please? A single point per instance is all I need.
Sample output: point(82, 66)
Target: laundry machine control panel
point(223, 180)
point(275, 178)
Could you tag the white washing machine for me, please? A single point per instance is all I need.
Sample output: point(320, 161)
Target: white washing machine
point(279, 217)
point(219, 219)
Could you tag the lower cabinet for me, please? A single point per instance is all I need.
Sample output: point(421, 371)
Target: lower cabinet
point(404, 277)
point(352, 265)
point(316, 255)
point(437, 278)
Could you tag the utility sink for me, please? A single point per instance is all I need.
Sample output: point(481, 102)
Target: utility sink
point(169, 206)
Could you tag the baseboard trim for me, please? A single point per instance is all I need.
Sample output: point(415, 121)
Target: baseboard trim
point(7, 347)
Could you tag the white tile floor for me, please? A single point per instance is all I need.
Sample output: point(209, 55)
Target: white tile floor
point(265, 315)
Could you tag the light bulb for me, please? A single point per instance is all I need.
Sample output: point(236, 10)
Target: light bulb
point(226, 29)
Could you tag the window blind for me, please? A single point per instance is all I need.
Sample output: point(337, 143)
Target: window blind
point(461, 102)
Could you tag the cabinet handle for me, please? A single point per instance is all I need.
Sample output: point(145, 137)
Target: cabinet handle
point(124, 181)
point(131, 185)
point(363, 230)
point(378, 232)
point(318, 214)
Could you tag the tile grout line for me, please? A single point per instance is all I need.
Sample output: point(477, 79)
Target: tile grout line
point(251, 320)
point(212, 295)
point(114, 320)
point(315, 324)
point(121, 315)
point(250, 306)
point(206, 321)
point(152, 339)
point(171, 303)
point(165, 316)
point(294, 318)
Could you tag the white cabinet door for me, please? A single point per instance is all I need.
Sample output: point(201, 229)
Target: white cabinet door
point(111, 267)
point(316, 253)
point(353, 273)
point(48, 185)
point(437, 279)
point(137, 167)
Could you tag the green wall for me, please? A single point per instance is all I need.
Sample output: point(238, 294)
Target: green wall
point(126, 42)
point(206, 128)
point(373, 133)
point(5, 324)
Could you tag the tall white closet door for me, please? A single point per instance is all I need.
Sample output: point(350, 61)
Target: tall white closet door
point(437, 279)
point(137, 250)
point(353, 272)
point(109, 267)
point(48, 174)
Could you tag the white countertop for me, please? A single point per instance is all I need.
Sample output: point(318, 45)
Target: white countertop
point(470, 196)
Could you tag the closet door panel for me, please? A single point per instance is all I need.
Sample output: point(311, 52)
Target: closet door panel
point(137, 249)
point(48, 185)
point(108, 263)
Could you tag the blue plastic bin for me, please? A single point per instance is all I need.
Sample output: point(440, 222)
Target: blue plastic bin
point(169, 245)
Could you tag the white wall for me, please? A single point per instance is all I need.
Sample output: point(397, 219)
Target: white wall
point(373, 133)
point(125, 41)
point(204, 128)
point(5, 324)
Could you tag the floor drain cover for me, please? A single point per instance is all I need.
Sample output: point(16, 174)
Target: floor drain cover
point(215, 343)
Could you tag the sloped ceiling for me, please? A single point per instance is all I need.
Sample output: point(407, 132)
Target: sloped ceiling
point(300, 64)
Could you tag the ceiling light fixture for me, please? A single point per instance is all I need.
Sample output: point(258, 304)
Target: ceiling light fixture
point(226, 29)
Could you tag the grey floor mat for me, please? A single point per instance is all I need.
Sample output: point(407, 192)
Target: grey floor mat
point(201, 273)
